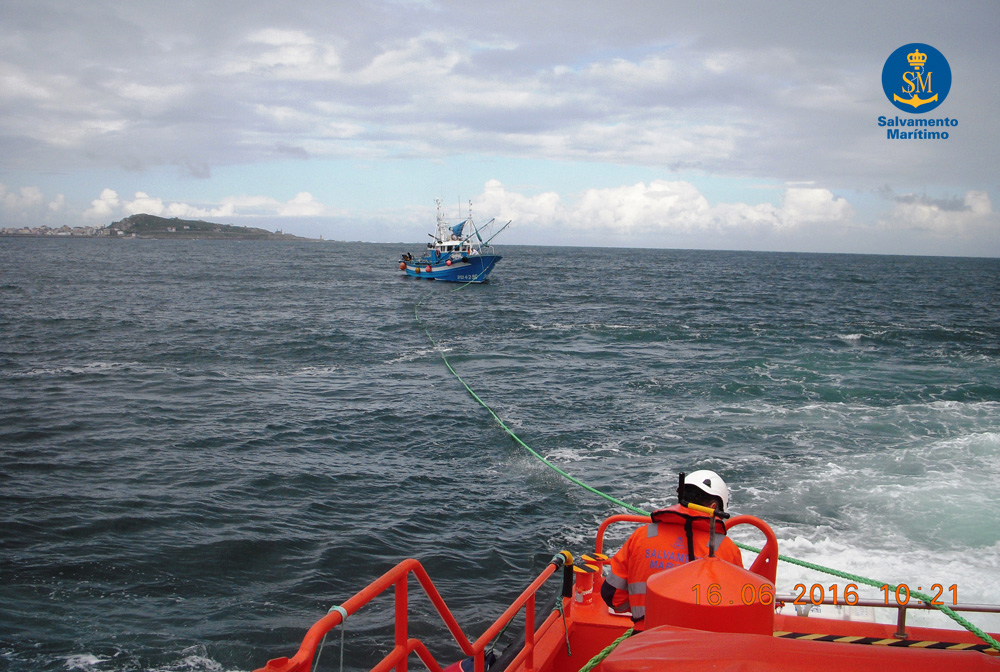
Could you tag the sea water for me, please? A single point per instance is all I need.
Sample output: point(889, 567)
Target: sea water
point(205, 445)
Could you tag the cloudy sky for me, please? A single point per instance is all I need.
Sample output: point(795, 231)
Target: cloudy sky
point(720, 125)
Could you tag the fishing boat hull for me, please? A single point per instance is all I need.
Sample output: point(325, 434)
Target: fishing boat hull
point(472, 268)
point(454, 255)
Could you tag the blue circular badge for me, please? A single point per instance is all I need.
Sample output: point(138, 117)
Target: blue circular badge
point(916, 78)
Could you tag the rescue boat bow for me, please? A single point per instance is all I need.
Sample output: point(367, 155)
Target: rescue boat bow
point(704, 614)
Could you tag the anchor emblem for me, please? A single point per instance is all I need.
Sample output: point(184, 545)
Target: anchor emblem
point(915, 82)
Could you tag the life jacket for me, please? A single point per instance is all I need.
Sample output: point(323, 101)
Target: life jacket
point(691, 520)
point(676, 535)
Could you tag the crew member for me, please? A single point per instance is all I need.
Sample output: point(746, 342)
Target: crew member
point(676, 535)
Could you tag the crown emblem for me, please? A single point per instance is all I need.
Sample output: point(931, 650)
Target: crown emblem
point(916, 59)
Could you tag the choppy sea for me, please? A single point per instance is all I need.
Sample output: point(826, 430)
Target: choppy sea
point(205, 445)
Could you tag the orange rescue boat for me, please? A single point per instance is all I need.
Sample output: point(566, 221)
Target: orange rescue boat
point(704, 615)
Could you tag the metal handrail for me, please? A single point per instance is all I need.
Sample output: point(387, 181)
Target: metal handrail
point(790, 598)
point(397, 578)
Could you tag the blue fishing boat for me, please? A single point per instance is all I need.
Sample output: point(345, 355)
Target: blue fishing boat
point(457, 253)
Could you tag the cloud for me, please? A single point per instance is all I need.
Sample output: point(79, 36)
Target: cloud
point(285, 54)
point(802, 206)
point(25, 199)
point(630, 213)
point(144, 204)
point(941, 217)
point(29, 205)
point(541, 210)
point(104, 206)
point(423, 58)
point(19, 84)
point(303, 205)
point(642, 208)
point(110, 206)
point(425, 87)
point(659, 92)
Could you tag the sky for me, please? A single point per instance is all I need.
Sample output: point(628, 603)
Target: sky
point(705, 125)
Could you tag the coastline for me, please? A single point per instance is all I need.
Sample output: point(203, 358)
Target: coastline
point(155, 228)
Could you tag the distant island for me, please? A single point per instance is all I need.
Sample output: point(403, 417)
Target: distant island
point(151, 226)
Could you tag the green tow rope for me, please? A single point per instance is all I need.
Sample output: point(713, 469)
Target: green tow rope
point(596, 660)
point(509, 431)
point(943, 608)
point(634, 509)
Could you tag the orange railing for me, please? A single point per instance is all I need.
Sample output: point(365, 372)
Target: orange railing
point(397, 659)
point(618, 518)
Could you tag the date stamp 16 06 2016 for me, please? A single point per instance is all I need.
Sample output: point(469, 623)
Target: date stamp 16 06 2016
point(816, 594)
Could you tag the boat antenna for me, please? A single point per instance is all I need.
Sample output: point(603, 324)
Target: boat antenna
point(498, 232)
point(476, 229)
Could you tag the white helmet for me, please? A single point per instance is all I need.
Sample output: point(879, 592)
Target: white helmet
point(710, 483)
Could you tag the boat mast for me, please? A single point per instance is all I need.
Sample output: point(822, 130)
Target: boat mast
point(442, 225)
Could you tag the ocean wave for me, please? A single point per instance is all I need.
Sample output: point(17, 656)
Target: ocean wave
point(98, 368)
point(247, 434)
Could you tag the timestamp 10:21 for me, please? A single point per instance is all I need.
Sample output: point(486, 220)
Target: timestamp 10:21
point(900, 594)
point(817, 593)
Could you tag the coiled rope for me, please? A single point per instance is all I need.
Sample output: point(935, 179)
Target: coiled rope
point(965, 623)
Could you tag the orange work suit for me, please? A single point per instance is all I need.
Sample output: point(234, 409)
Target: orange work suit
point(676, 535)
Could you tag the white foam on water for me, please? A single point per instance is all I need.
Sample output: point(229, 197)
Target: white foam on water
point(77, 370)
point(962, 578)
point(84, 661)
point(316, 371)
point(596, 451)
point(194, 663)
point(916, 505)
point(931, 528)
point(416, 355)
point(928, 476)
